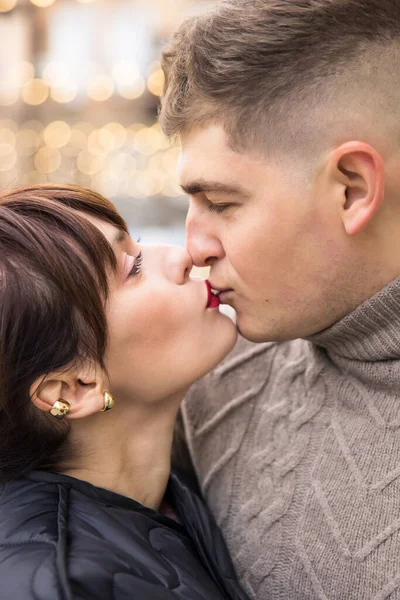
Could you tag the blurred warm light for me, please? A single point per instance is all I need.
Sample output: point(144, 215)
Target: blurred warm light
point(86, 128)
point(33, 124)
point(47, 160)
point(9, 124)
point(35, 92)
point(64, 93)
point(154, 66)
point(26, 72)
point(9, 178)
point(33, 177)
point(132, 91)
point(6, 5)
point(105, 183)
point(170, 159)
point(135, 127)
point(86, 1)
point(8, 94)
point(27, 142)
point(129, 187)
point(57, 134)
point(100, 88)
point(76, 143)
point(42, 3)
point(118, 132)
point(56, 73)
point(88, 163)
point(100, 142)
point(171, 188)
point(122, 164)
point(147, 183)
point(7, 137)
point(8, 157)
point(156, 82)
point(148, 141)
point(165, 142)
point(126, 73)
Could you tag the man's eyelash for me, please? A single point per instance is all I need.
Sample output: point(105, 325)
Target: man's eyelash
point(137, 266)
point(217, 208)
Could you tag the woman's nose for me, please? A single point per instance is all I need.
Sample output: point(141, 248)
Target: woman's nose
point(177, 263)
point(181, 264)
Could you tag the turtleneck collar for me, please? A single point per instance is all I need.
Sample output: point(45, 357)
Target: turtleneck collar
point(370, 333)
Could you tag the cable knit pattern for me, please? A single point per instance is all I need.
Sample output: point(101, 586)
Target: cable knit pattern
point(297, 449)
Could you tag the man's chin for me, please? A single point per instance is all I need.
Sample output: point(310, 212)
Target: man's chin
point(258, 333)
point(251, 334)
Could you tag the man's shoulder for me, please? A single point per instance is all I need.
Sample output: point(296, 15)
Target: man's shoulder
point(243, 373)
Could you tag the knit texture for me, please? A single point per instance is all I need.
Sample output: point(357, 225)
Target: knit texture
point(297, 450)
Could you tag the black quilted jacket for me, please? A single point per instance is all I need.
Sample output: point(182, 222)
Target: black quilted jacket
point(64, 539)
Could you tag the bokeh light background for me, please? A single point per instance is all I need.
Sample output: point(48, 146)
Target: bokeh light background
point(80, 82)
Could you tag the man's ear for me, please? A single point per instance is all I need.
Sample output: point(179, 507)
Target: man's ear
point(359, 168)
point(82, 388)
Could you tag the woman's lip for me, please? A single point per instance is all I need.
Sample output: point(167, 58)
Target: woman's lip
point(212, 299)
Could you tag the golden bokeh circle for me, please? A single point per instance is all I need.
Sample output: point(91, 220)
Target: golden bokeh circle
point(42, 3)
point(100, 88)
point(47, 160)
point(35, 92)
point(6, 5)
point(8, 157)
point(57, 134)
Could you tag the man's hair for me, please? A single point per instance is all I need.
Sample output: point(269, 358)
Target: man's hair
point(279, 73)
point(54, 267)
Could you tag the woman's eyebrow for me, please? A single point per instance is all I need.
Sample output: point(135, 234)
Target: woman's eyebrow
point(119, 237)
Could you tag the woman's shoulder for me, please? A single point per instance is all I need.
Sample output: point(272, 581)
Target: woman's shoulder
point(29, 533)
point(62, 538)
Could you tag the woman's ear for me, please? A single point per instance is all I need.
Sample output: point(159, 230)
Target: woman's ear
point(359, 168)
point(82, 388)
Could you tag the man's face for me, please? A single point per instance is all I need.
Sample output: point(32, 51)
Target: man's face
point(271, 234)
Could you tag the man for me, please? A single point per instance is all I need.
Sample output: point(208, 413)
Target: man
point(289, 117)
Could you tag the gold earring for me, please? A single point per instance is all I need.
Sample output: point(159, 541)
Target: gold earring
point(60, 409)
point(108, 402)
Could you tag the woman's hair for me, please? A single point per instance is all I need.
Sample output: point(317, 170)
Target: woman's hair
point(54, 267)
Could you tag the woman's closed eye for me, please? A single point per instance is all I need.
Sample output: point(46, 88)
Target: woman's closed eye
point(137, 265)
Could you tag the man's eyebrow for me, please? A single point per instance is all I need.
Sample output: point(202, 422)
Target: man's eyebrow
point(206, 187)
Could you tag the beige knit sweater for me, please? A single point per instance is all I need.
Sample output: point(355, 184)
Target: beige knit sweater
point(297, 449)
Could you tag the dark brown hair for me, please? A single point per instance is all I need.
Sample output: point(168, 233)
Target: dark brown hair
point(255, 66)
point(54, 268)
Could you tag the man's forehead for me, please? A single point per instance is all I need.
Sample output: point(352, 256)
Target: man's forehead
point(207, 163)
point(206, 146)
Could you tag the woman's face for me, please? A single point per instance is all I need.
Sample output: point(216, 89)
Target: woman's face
point(162, 337)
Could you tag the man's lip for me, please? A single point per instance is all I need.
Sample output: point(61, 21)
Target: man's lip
point(224, 295)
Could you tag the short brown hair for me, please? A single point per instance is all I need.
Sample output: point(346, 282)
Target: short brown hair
point(258, 66)
point(54, 268)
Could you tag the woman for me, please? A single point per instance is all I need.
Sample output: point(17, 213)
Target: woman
point(90, 321)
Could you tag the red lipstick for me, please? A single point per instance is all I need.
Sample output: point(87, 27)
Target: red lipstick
point(212, 299)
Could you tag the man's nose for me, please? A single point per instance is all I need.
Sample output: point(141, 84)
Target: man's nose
point(202, 242)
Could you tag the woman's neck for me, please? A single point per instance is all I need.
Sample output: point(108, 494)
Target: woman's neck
point(127, 451)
